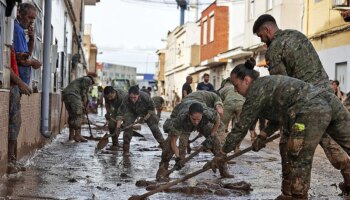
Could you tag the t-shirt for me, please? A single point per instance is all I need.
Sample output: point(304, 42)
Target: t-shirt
point(186, 87)
point(205, 86)
point(20, 44)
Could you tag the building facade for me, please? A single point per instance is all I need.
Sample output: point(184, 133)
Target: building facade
point(329, 34)
point(114, 71)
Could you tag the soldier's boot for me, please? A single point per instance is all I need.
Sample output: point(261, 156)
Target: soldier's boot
point(11, 158)
point(115, 144)
point(20, 167)
point(286, 190)
point(162, 170)
point(224, 171)
point(126, 149)
point(284, 197)
point(78, 137)
point(71, 134)
point(345, 186)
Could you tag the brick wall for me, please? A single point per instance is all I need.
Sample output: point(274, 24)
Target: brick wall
point(4, 110)
point(221, 31)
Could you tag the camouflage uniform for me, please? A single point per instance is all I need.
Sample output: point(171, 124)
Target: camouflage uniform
point(233, 103)
point(211, 100)
point(291, 53)
point(129, 111)
point(286, 101)
point(75, 97)
point(111, 115)
point(158, 103)
point(182, 127)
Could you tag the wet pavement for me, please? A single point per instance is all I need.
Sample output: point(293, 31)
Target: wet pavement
point(65, 170)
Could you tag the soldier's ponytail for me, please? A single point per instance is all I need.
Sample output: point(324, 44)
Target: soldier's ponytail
point(246, 69)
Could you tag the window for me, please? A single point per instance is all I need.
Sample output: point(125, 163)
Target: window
point(251, 8)
point(211, 36)
point(205, 29)
point(269, 5)
point(38, 47)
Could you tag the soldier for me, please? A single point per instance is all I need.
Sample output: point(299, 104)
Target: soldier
point(113, 98)
point(158, 103)
point(291, 53)
point(138, 104)
point(75, 97)
point(301, 109)
point(210, 99)
point(233, 103)
point(191, 115)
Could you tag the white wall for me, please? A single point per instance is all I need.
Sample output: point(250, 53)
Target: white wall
point(57, 20)
point(331, 56)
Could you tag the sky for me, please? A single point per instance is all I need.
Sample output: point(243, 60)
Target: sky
point(129, 32)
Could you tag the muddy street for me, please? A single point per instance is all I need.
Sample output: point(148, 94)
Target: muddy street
point(64, 170)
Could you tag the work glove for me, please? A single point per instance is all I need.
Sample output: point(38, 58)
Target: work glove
point(259, 143)
point(178, 163)
point(208, 143)
point(219, 159)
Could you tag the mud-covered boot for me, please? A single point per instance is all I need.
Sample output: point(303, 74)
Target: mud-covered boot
point(126, 149)
point(162, 170)
point(11, 158)
point(224, 171)
point(345, 186)
point(78, 137)
point(115, 144)
point(19, 166)
point(284, 197)
point(71, 134)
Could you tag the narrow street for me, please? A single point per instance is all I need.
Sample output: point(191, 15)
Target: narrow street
point(64, 170)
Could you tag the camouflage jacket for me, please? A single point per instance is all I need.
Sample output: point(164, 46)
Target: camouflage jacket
point(291, 53)
point(158, 101)
point(79, 88)
point(209, 98)
point(143, 105)
point(229, 94)
point(276, 98)
point(182, 123)
point(113, 105)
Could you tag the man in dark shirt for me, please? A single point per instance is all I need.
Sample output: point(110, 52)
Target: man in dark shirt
point(186, 88)
point(205, 85)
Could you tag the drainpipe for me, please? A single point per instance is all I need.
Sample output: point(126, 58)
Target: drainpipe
point(46, 76)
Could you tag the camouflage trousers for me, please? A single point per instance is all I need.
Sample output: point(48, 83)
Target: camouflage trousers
point(232, 109)
point(168, 152)
point(14, 113)
point(152, 123)
point(297, 147)
point(74, 106)
point(112, 129)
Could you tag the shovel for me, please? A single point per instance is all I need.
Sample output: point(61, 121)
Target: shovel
point(104, 140)
point(195, 173)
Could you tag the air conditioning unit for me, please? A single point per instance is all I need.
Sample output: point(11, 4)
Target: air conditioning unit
point(340, 4)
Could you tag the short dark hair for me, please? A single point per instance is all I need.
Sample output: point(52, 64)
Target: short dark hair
point(262, 20)
point(336, 82)
point(108, 90)
point(134, 90)
point(149, 89)
point(25, 7)
point(195, 108)
point(205, 74)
